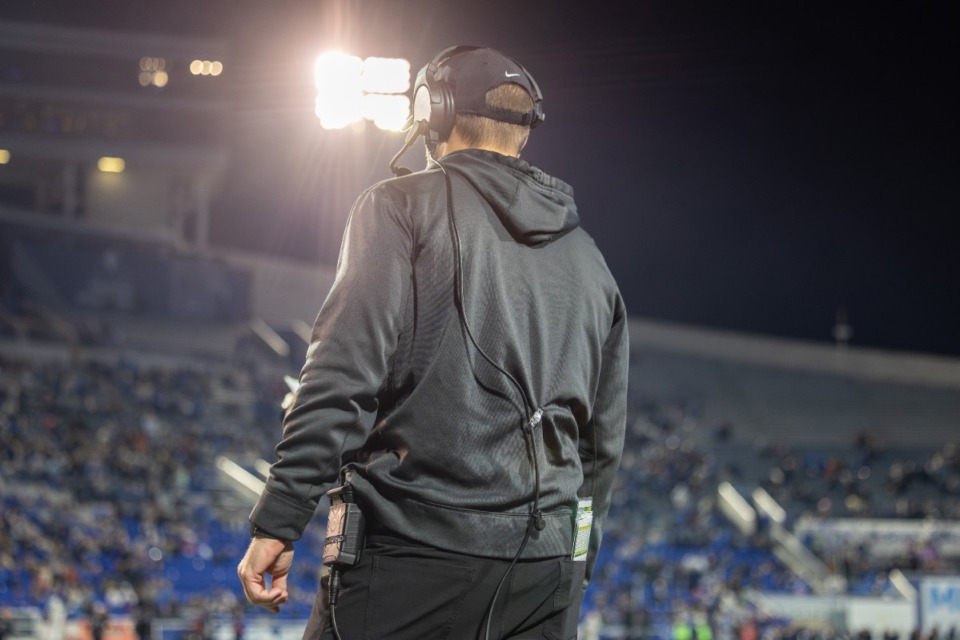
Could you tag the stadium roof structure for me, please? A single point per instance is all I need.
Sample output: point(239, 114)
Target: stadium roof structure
point(795, 392)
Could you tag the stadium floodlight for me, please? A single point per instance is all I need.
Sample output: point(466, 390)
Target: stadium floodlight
point(338, 72)
point(386, 75)
point(389, 112)
point(338, 111)
point(4, 156)
point(339, 90)
point(349, 89)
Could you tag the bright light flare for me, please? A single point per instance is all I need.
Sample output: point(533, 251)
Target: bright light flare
point(340, 92)
point(4, 156)
point(388, 112)
point(339, 111)
point(349, 89)
point(337, 72)
point(386, 75)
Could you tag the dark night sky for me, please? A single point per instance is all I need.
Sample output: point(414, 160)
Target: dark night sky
point(744, 166)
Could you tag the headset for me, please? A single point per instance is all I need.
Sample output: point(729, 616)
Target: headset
point(433, 100)
point(435, 110)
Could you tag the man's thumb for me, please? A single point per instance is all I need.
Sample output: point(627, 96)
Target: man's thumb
point(279, 582)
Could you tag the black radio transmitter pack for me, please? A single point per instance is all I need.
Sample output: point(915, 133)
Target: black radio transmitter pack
point(344, 529)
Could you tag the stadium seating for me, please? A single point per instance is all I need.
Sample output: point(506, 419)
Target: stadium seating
point(109, 494)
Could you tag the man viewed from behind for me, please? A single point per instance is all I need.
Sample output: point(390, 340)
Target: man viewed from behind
point(466, 381)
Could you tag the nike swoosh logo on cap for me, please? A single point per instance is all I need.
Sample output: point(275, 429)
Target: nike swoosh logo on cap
point(511, 75)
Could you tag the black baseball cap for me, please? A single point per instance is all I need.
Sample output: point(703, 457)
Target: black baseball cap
point(471, 72)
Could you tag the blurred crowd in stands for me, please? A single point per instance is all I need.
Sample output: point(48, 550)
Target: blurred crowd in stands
point(671, 566)
point(867, 480)
point(108, 502)
point(108, 505)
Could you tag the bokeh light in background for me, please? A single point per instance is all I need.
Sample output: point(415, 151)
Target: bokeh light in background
point(153, 72)
point(109, 164)
point(206, 67)
point(350, 89)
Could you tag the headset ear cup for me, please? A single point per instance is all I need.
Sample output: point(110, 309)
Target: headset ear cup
point(443, 113)
point(423, 104)
point(433, 104)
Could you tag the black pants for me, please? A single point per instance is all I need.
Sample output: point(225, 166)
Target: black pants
point(399, 592)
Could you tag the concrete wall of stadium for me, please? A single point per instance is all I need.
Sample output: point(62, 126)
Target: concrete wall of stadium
point(284, 292)
point(795, 392)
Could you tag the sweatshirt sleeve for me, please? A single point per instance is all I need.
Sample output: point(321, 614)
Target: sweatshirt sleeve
point(353, 338)
point(602, 442)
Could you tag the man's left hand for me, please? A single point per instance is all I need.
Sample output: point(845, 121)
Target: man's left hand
point(266, 555)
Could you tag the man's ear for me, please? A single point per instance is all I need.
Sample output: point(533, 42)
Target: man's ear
point(523, 143)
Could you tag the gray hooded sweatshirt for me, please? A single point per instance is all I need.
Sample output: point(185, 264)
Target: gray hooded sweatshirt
point(410, 399)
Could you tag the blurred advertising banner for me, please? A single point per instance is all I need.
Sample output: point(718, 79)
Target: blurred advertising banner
point(940, 603)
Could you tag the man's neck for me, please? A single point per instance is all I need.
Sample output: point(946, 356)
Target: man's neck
point(456, 143)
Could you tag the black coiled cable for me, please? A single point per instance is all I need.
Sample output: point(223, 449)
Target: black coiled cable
point(533, 419)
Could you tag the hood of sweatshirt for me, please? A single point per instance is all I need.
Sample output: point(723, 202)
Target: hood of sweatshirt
point(534, 207)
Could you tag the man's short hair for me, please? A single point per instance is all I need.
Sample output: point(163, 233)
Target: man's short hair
point(478, 130)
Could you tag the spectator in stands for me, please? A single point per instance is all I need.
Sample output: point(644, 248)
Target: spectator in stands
point(6, 623)
point(98, 621)
point(143, 622)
